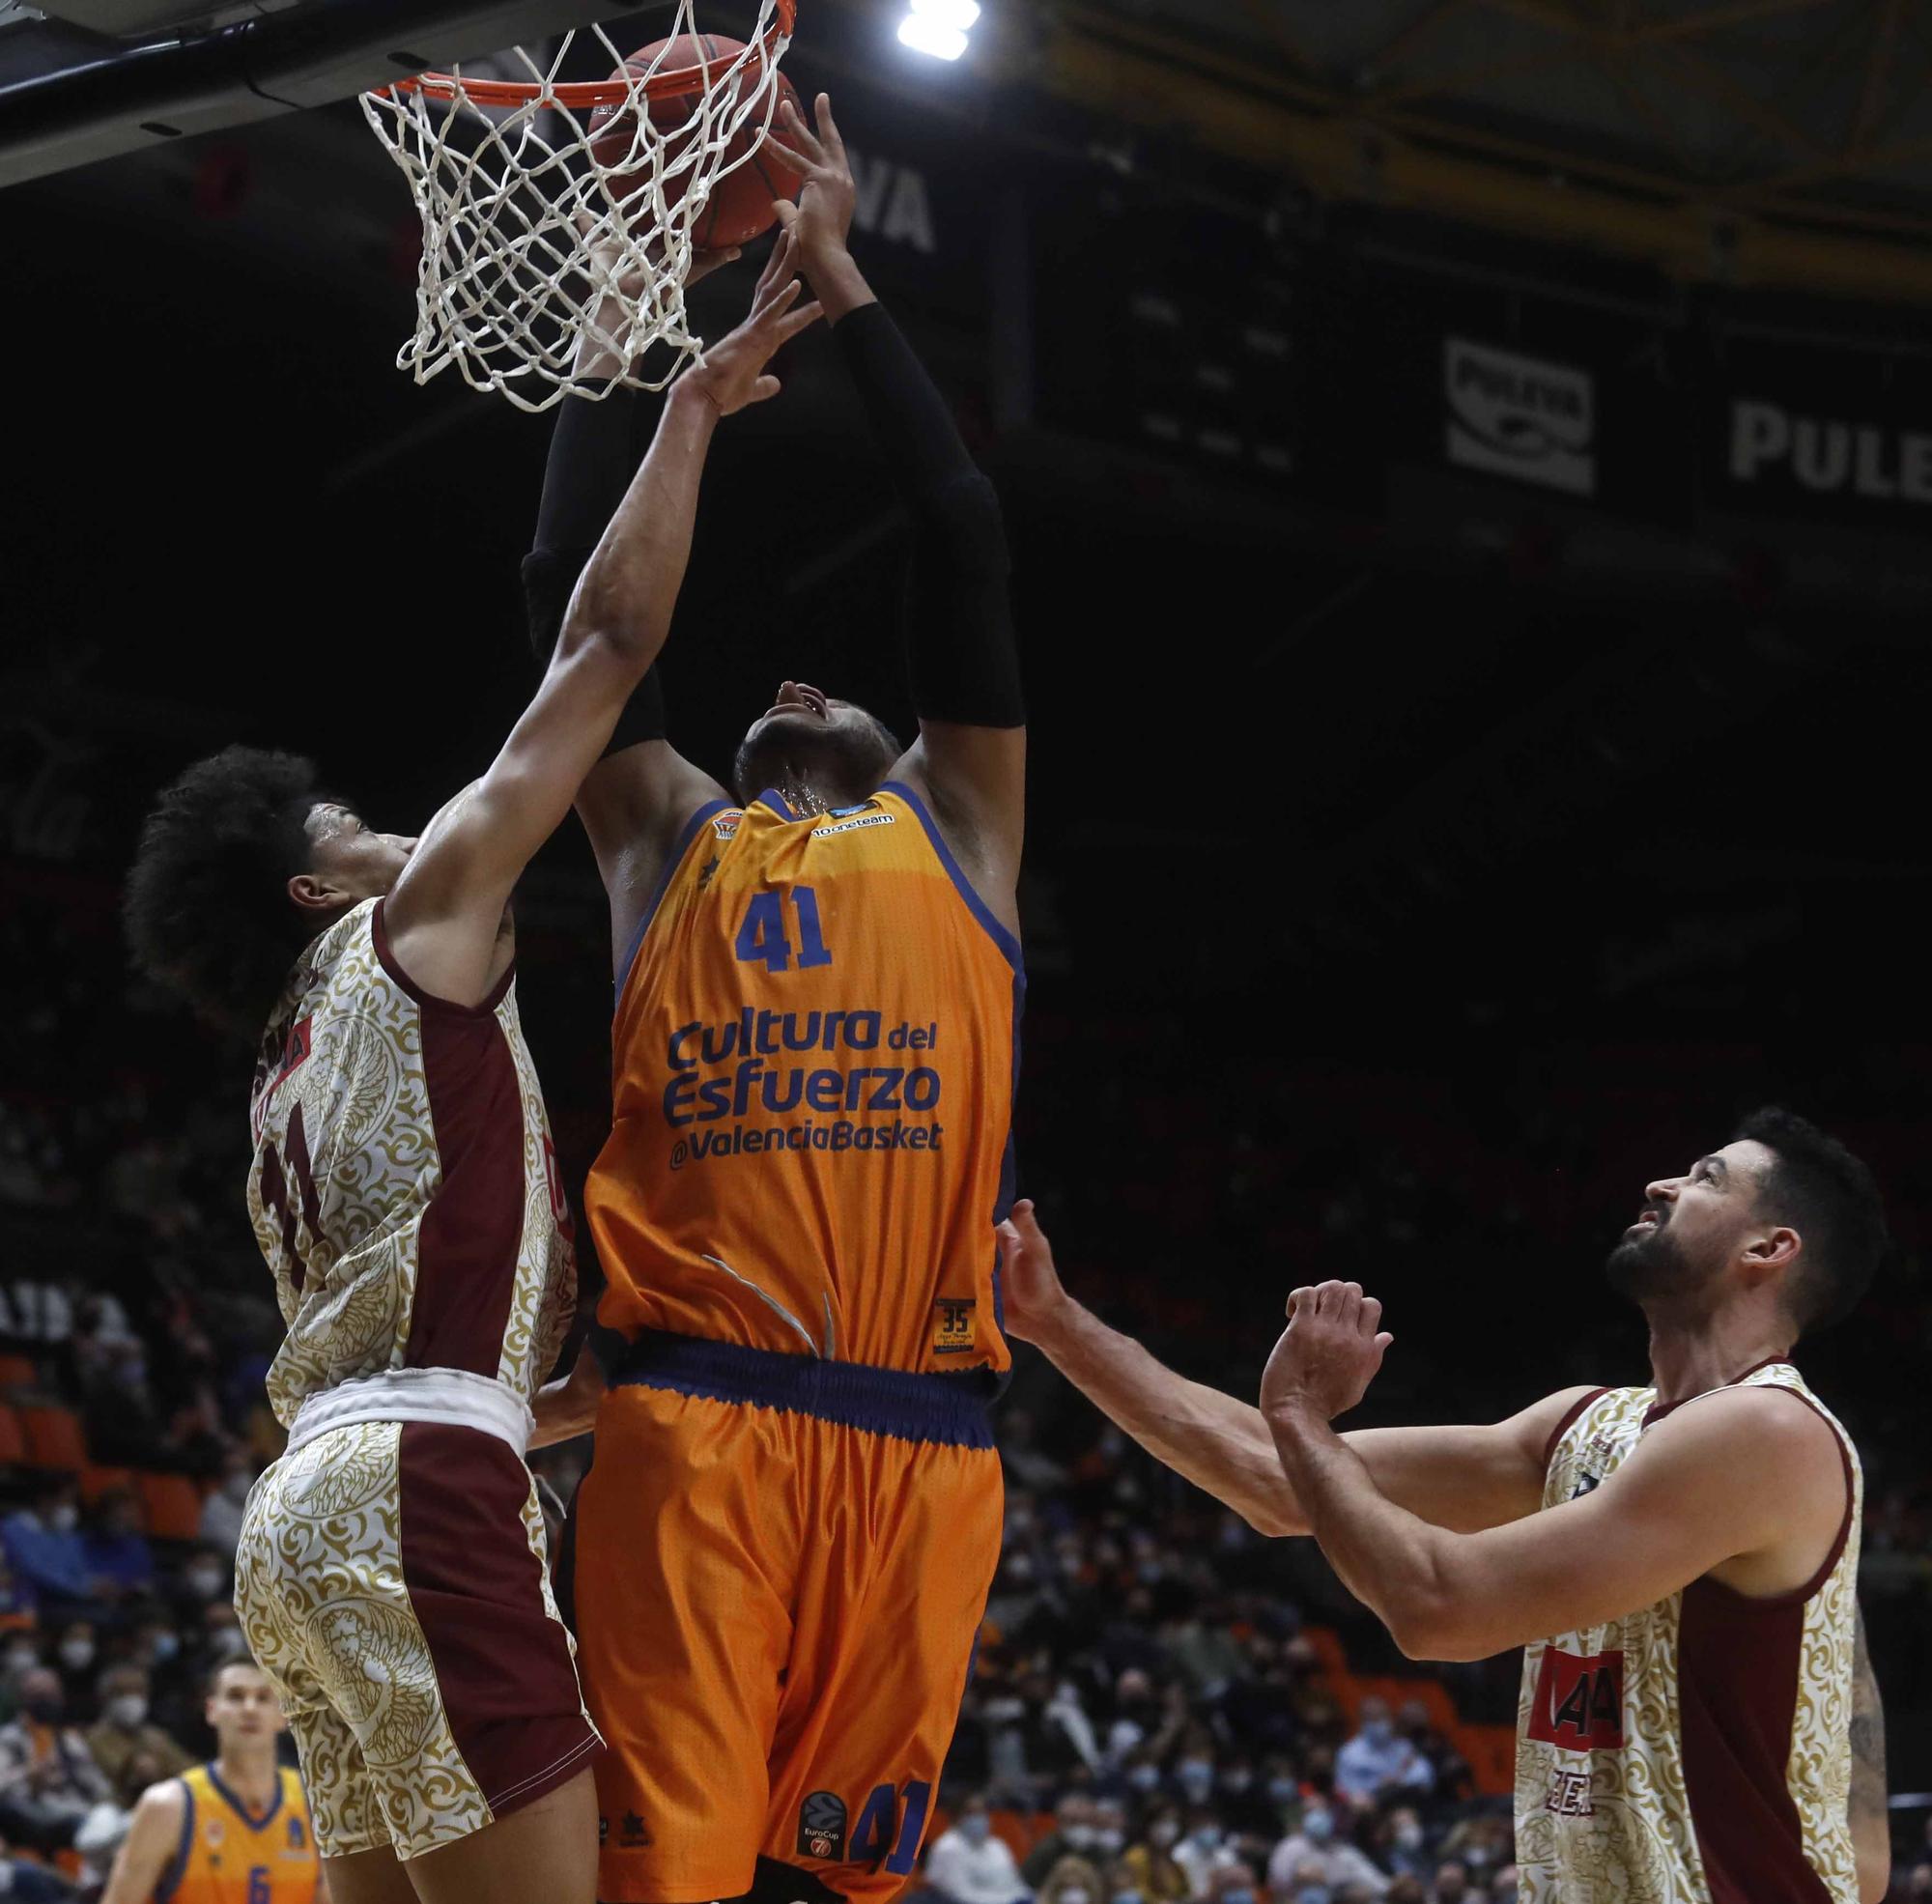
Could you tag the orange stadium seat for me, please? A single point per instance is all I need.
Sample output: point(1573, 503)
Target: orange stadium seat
point(98, 1481)
point(12, 1439)
point(171, 1504)
point(54, 1438)
point(18, 1371)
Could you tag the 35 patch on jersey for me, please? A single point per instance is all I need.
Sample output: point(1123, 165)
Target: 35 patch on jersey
point(952, 1331)
point(1580, 1701)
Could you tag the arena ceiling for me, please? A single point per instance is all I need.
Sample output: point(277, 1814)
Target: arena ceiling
point(1785, 141)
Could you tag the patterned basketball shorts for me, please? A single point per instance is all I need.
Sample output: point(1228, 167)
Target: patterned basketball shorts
point(393, 1581)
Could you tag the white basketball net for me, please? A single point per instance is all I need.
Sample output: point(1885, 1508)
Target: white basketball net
point(534, 247)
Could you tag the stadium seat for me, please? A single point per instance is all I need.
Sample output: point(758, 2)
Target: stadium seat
point(54, 1438)
point(98, 1481)
point(13, 1440)
point(18, 1371)
point(171, 1505)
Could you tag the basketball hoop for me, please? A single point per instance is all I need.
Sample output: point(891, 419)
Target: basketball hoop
point(559, 216)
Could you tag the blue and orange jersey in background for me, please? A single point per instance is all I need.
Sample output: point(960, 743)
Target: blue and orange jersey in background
point(813, 1063)
point(228, 1855)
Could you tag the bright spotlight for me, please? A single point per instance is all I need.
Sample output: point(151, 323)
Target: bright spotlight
point(956, 14)
point(925, 35)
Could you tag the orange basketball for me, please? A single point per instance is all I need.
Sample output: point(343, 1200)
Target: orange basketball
point(740, 205)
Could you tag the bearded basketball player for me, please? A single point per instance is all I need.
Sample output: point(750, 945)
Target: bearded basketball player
point(235, 1831)
point(391, 1576)
point(1699, 1721)
point(783, 1547)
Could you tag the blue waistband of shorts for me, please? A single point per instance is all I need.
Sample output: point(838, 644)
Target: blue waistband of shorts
point(946, 1409)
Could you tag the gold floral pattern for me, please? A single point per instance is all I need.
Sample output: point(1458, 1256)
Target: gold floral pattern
point(1609, 1826)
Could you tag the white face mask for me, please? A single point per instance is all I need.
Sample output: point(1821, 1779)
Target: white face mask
point(230, 1643)
point(64, 1519)
point(23, 1659)
point(127, 1709)
point(1076, 1894)
point(204, 1582)
point(76, 1655)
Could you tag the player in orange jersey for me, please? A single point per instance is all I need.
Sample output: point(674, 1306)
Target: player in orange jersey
point(235, 1831)
point(784, 1548)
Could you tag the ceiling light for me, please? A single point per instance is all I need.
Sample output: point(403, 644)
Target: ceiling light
point(925, 35)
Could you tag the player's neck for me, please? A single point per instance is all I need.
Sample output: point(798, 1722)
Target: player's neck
point(812, 793)
point(1693, 1354)
point(249, 1770)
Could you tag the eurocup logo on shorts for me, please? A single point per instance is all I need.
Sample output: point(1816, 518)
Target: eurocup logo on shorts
point(821, 1827)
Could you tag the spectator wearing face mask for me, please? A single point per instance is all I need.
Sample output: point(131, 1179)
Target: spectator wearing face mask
point(45, 1551)
point(1204, 1849)
point(970, 1865)
point(221, 1511)
point(1072, 1836)
point(77, 1647)
point(1481, 1844)
point(1318, 1847)
point(118, 1554)
point(1243, 1800)
point(1379, 1761)
point(1452, 1884)
point(1157, 1874)
point(1399, 1845)
point(1071, 1881)
point(1503, 1887)
point(126, 1744)
point(1110, 1829)
point(1234, 1884)
point(47, 1775)
point(204, 1580)
point(1193, 1769)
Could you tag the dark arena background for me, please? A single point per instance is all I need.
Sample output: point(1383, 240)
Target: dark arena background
point(1470, 468)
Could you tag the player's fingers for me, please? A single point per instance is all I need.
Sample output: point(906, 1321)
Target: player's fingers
point(787, 212)
point(795, 161)
point(765, 387)
point(1383, 1340)
point(1298, 1301)
point(798, 130)
point(779, 277)
point(828, 129)
point(802, 319)
point(1372, 1314)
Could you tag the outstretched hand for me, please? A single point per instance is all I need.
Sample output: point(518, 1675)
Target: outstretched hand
point(732, 372)
point(1329, 1352)
point(822, 218)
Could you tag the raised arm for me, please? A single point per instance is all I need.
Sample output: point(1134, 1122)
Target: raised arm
point(1749, 1484)
point(639, 794)
point(1463, 1477)
point(970, 757)
point(445, 912)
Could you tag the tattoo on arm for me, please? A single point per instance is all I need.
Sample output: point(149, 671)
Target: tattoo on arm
point(1869, 1786)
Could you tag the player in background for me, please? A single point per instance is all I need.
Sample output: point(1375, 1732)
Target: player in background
point(1700, 1720)
point(784, 1548)
point(235, 1831)
point(391, 1574)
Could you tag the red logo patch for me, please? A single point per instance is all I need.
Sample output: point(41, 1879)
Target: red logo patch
point(1580, 1703)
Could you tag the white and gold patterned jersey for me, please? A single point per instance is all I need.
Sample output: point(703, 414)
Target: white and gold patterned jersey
point(1697, 1752)
point(405, 1188)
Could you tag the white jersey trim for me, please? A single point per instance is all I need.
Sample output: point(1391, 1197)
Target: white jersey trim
point(455, 1398)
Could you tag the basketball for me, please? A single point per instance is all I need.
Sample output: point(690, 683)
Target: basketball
point(740, 205)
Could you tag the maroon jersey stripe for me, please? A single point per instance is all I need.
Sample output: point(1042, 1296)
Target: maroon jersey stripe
point(473, 1232)
point(503, 1665)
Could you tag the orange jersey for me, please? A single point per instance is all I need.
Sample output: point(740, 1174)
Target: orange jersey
point(814, 1057)
point(227, 1856)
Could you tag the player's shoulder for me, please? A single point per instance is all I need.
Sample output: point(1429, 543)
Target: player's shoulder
point(164, 1805)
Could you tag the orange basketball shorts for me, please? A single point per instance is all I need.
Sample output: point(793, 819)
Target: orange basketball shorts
point(780, 1568)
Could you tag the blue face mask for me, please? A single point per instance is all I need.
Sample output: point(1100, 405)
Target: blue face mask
point(1283, 1790)
point(1196, 1774)
point(1242, 1896)
point(1312, 1893)
point(976, 1828)
point(1144, 1778)
point(1317, 1827)
point(1127, 1898)
point(1378, 1732)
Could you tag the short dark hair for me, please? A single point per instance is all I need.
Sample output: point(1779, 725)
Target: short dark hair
point(211, 1684)
point(1831, 1199)
point(207, 907)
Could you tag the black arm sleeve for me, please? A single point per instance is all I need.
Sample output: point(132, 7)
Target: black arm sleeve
point(593, 452)
point(963, 656)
